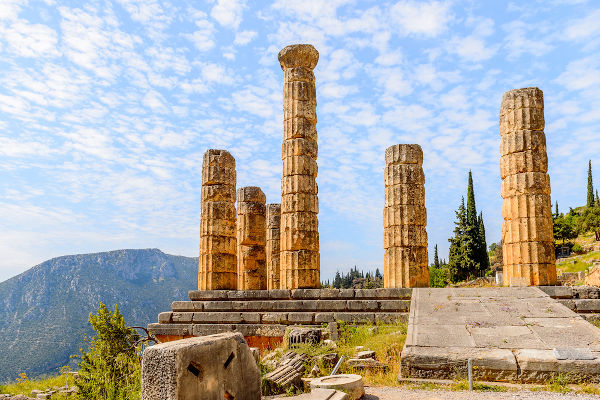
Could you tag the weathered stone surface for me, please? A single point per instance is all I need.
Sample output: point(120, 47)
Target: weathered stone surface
point(365, 354)
point(527, 232)
point(558, 292)
point(251, 239)
point(210, 367)
point(533, 206)
point(360, 364)
point(272, 248)
point(347, 383)
point(404, 215)
point(522, 140)
point(217, 262)
point(524, 161)
point(288, 372)
point(405, 218)
point(299, 202)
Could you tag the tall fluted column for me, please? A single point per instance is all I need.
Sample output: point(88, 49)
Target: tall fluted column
point(217, 261)
point(527, 232)
point(273, 248)
point(405, 218)
point(299, 256)
point(251, 239)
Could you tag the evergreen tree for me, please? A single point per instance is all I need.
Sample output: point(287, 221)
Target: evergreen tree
point(590, 187)
point(556, 214)
point(461, 257)
point(483, 258)
point(436, 261)
point(471, 209)
point(378, 274)
point(597, 198)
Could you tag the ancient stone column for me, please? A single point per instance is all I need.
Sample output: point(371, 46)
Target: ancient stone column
point(405, 218)
point(251, 239)
point(273, 238)
point(527, 233)
point(217, 263)
point(299, 256)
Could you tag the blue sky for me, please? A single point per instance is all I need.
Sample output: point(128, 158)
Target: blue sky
point(106, 109)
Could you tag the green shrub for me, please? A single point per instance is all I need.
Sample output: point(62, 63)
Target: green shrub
point(111, 368)
point(577, 248)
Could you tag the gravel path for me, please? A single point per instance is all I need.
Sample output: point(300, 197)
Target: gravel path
point(392, 393)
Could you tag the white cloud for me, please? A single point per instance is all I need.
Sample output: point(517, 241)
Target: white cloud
point(228, 13)
point(244, 37)
point(583, 28)
point(203, 37)
point(471, 48)
point(519, 40)
point(30, 40)
point(581, 74)
point(421, 18)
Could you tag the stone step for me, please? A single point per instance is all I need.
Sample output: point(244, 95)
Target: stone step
point(292, 305)
point(285, 318)
point(301, 294)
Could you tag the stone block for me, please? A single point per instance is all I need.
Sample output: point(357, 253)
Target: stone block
point(219, 305)
point(529, 206)
point(558, 292)
point(299, 221)
point(390, 317)
point(210, 367)
point(217, 227)
point(274, 318)
point(299, 90)
point(218, 175)
point(300, 165)
point(363, 305)
point(221, 192)
point(383, 293)
point(171, 329)
point(525, 161)
point(403, 215)
point(306, 109)
point(525, 183)
point(569, 303)
point(306, 294)
point(177, 317)
point(529, 274)
point(402, 174)
point(408, 194)
point(215, 317)
point(299, 202)
point(299, 127)
point(250, 194)
point(200, 295)
point(405, 236)
point(331, 305)
point(587, 305)
point(292, 277)
point(324, 317)
point(394, 305)
point(187, 305)
point(404, 154)
point(218, 262)
point(299, 259)
point(586, 292)
point(301, 317)
point(295, 239)
point(164, 317)
point(538, 229)
point(218, 210)
point(522, 140)
point(347, 383)
point(366, 364)
point(217, 244)
point(299, 147)
point(355, 317)
point(525, 252)
point(279, 294)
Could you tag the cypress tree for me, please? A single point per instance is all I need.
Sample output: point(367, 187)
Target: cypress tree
point(461, 257)
point(597, 198)
point(436, 260)
point(471, 209)
point(484, 258)
point(590, 187)
point(556, 214)
point(473, 228)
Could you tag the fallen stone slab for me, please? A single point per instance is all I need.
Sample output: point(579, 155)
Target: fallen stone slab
point(366, 354)
point(347, 383)
point(319, 394)
point(366, 364)
point(219, 366)
point(288, 373)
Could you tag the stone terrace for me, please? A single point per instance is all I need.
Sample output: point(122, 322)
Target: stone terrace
point(266, 314)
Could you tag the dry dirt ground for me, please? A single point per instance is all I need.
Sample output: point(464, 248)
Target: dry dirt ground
point(394, 393)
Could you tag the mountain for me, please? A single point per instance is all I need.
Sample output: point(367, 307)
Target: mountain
point(44, 311)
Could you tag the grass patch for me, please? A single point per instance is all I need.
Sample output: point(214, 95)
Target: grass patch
point(582, 262)
point(463, 384)
point(23, 385)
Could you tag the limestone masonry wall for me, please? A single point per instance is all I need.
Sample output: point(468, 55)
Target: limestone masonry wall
point(273, 248)
point(405, 218)
point(299, 240)
point(527, 235)
point(251, 239)
point(217, 261)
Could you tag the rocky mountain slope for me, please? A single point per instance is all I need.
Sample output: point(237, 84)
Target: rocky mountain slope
point(44, 311)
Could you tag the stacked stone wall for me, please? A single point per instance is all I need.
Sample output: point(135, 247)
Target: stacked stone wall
point(299, 235)
point(251, 239)
point(527, 233)
point(217, 260)
point(405, 218)
point(273, 248)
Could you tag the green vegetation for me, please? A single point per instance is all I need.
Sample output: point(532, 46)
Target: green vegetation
point(590, 187)
point(111, 368)
point(356, 279)
point(23, 385)
point(468, 257)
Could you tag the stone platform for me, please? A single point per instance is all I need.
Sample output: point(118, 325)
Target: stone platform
point(262, 316)
point(510, 333)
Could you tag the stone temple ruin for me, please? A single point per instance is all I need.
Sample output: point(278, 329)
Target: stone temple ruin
point(259, 266)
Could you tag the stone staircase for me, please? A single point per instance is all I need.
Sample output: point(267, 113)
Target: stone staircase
point(267, 313)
